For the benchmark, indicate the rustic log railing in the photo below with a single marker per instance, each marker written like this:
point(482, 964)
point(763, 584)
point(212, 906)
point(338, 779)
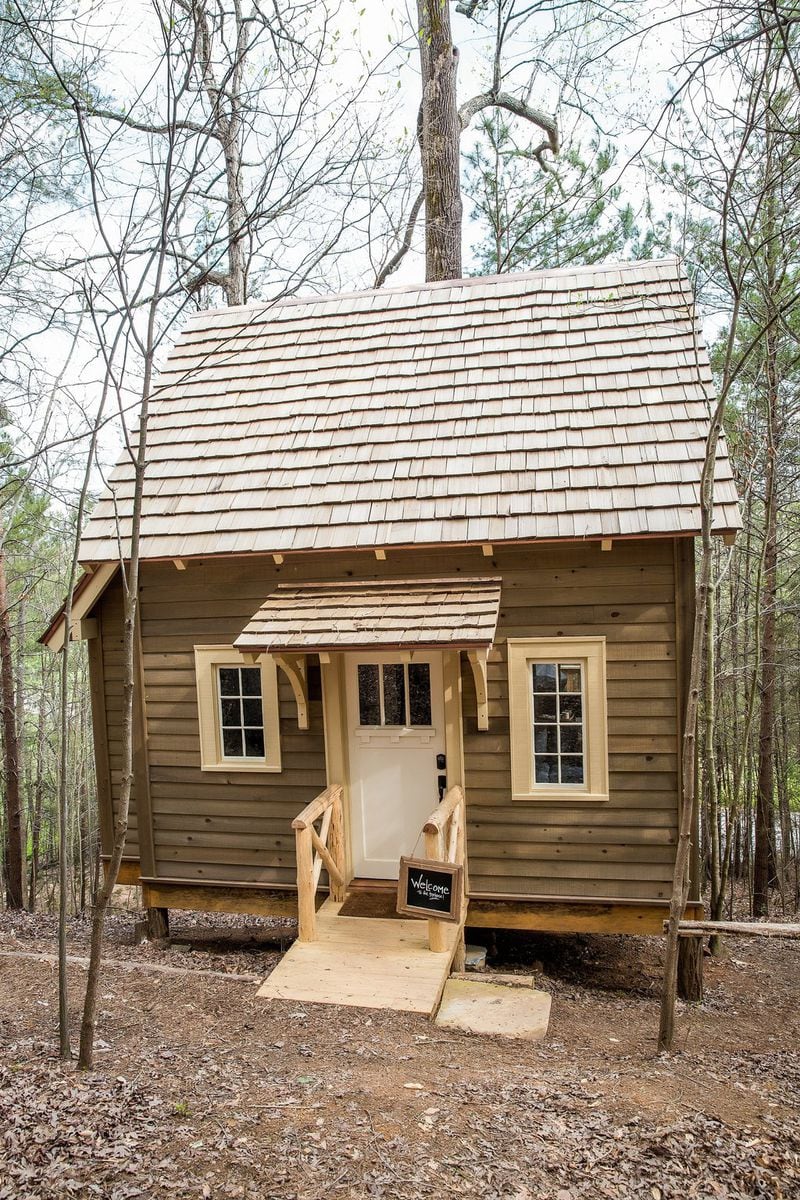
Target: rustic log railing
point(317, 849)
point(445, 842)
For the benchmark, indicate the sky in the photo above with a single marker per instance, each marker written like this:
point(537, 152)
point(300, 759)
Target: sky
point(624, 88)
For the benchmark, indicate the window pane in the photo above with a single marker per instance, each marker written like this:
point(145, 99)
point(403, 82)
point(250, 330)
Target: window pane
point(572, 770)
point(544, 677)
point(251, 711)
point(544, 708)
point(232, 743)
point(569, 678)
point(251, 681)
point(254, 743)
point(394, 694)
point(229, 681)
point(419, 693)
point(231, 714)
point(571, 739)
point(545, 739)
point(369, 700)
point(546, 769)
point(571, 709)
point(558, 723)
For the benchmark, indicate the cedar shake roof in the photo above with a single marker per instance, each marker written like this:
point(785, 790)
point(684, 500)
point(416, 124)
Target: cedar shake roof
point(558, 404)
point(336, 616)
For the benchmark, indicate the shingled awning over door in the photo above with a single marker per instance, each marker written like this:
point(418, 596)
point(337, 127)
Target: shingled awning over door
point(432, 613)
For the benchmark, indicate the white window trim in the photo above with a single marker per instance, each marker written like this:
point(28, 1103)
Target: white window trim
point(590, 652)
point(207, 661)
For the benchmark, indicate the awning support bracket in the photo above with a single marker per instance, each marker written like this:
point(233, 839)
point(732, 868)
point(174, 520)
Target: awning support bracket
point(478, 660)
point(294, 668)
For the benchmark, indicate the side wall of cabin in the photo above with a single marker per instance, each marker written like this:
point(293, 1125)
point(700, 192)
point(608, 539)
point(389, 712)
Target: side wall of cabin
point(234, 828)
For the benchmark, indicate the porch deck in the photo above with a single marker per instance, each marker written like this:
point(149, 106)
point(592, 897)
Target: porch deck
point(364, 962)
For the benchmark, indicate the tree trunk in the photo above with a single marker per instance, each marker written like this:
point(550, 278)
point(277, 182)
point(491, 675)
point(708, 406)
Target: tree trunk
point(764, 857)
point(15, 850)
point(225, 102)
point(37, 802)
point(439, 132)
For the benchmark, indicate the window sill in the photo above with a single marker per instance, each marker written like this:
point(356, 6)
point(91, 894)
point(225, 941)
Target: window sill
point(243, 766)
point(558, 796)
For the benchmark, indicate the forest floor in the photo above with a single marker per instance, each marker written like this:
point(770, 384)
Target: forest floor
point(203, 1091)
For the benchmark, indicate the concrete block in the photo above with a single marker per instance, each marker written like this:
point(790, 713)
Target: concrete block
point(492, 1008)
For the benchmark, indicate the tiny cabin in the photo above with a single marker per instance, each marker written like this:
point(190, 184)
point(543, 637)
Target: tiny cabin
point(406, 552)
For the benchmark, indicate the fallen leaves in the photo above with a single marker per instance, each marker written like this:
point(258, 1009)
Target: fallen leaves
point(200, 1095)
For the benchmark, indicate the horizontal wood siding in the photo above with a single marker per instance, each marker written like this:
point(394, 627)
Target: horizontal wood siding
point(207, 825)
point(623, 848)
point(236, 826)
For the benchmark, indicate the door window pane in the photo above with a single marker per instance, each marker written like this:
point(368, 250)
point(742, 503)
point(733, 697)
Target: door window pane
point(369, 697)
point(394, 694)
point(419, 693)
point(558, 746)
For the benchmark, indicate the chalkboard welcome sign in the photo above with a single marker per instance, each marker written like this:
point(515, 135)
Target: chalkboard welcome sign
point(427, 888)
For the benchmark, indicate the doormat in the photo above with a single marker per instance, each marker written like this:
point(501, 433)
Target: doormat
point(381, 905)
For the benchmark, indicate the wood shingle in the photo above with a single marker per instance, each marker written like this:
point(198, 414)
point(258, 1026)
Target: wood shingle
point(561, 404)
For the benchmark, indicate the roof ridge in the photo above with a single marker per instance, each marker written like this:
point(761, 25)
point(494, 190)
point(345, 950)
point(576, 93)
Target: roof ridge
point(464, 282)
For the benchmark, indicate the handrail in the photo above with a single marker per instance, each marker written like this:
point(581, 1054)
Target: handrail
point(445, 842)
point(317, 849)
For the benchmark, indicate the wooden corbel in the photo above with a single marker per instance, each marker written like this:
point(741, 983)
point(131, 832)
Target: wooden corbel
point(477, 660)
point(294, 668)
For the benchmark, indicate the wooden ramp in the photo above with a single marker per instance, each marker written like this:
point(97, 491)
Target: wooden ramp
point(364, 963)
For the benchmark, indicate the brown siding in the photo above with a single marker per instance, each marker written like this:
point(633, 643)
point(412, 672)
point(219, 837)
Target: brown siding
point(232, 826)
point(622, 849)
point(237, 827)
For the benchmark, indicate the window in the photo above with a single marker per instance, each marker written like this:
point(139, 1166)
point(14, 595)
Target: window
point(238, 710)
point(394, 693)
point(557, 709)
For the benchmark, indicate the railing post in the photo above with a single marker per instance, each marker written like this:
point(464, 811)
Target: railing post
point(437, 935)
point(306, 911)
point(336, 846)
point(460, 956)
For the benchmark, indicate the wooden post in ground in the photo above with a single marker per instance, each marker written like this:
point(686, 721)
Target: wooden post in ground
point(306, 911)
point(157, 921)
point(690, 968)
point(460, 955)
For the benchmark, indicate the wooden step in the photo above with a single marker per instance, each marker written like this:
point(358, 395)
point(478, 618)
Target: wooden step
point(364, 963)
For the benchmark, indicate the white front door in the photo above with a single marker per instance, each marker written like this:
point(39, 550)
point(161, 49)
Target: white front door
point(395, 714)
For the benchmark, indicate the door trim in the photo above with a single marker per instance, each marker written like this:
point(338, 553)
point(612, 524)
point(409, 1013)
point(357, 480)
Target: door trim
point(336, 735)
